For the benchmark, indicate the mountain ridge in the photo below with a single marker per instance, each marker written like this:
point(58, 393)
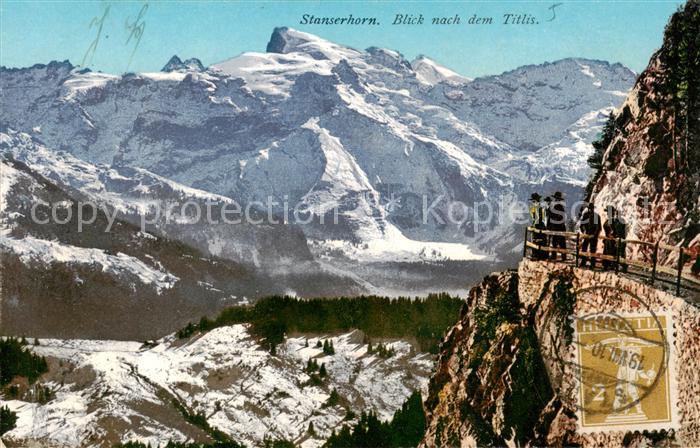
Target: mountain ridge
point(332, 128)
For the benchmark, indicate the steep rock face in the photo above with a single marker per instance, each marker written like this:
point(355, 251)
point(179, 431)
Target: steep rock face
point(500, 379)
point(651, 165)
point(490, 385)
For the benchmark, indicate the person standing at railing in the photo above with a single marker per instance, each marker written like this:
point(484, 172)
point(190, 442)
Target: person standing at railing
point(537, 221)
point(545, 221)
point(620, 231)
point(610, 244)
point(590, 227)
point(556, 222)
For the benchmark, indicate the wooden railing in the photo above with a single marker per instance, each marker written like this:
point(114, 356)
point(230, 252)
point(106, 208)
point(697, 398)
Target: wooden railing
point(618, 259)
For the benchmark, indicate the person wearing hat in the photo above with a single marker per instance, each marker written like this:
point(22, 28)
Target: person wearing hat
point(537, 221)
point(556, 222)
point(545, 211)
point(590, 227)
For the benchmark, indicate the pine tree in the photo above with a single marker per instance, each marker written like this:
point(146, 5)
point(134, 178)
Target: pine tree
point(333, 399)
point(322, 371)
point(408, 424)
point(601, 144)
point(205, 324)
point(328, 348)
point(406, 428)
point(16, 360)
point(311, 366)
point(8, 419)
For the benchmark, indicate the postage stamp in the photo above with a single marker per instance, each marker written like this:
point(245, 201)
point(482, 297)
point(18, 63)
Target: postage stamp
point(624, 365)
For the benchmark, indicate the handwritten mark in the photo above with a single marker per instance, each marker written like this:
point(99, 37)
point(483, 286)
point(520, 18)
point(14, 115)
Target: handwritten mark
point(553, 8)
point(97, 22)
point(136, 29)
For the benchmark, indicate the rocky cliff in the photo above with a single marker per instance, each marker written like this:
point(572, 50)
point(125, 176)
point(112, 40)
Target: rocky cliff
point(650, 167)
point(505, 375)
point(508, 372)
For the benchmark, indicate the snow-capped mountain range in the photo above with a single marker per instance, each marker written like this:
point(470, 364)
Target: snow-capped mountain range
point(387, 143)
point(362, 134)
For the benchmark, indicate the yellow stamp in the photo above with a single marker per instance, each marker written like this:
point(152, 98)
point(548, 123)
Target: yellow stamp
point(625, 371)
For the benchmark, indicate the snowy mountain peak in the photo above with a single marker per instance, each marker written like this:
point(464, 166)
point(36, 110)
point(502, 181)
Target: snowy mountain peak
point(176, 64)
point(288, 40)
point(284, 39)
point(389, 58)
point(430, 72)
point(591, 68)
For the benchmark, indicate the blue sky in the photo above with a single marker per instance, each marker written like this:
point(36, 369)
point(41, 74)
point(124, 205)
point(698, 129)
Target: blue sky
point(40, 31)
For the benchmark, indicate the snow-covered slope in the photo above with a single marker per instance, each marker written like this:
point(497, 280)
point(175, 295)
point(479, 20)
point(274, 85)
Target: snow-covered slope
point(431, 73)
point(327, 127)
point(108, 391)
point(565, 159)
point(533, 106)
point(62, 276)
point(157, 203)
point(35, 250)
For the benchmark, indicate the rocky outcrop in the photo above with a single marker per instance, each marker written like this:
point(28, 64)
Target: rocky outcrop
point(176, 64)
point(490, 386)
point(478, 395)
point(505, 375)
point(501, 378)
point(651, 161)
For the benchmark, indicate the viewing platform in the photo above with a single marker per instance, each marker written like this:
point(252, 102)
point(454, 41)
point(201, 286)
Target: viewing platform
point(645, 261)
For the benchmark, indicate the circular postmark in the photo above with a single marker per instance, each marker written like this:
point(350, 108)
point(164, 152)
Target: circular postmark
point(618, 360)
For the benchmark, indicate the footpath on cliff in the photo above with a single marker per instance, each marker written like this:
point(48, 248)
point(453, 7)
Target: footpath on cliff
point(553, 354)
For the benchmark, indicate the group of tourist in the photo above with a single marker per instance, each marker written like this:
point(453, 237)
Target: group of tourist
point(550, 215)
point(615, 233)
